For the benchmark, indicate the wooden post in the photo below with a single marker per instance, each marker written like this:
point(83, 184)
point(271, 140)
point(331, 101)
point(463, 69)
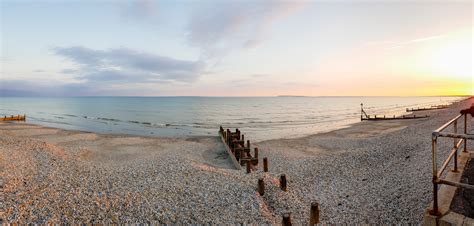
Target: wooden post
point(237, 154)
point(261, 186)
point(265, 164)
point(248, 143)
point(465, 132)
point(314, 214)
point(454, 146)
point(243, 138)
point(283, 183)
point(248, 166)
point(286, 219)
point(256, 153)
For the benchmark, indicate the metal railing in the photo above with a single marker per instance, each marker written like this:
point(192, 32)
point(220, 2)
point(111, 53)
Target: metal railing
point(459, 139)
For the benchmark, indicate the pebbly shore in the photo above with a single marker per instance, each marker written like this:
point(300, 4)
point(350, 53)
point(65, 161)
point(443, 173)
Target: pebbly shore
point(371, 172)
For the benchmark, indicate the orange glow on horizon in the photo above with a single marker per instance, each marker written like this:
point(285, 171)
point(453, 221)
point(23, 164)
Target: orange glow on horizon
point(430, 66)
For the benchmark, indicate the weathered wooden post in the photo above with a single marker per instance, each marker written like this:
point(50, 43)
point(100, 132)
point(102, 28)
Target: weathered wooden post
point(243, 138)
point(256, 153)
point(283, 183)
point(465, 132)
point(238, 154)
point(314, 214)
point(454, 146)
point(248, 143)
point(286, 219)
point(248, 166)
point(265, 164)
point(261, 186)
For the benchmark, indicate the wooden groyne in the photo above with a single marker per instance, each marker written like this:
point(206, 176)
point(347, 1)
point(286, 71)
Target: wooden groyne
point(14, 118)
point(433, 107)
point(366, 117)
point(238, 150)
point(234, 143)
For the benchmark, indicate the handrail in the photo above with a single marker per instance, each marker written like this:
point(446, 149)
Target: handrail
point(446, 162)
point(456, 184)
point(455, 135)
point(447, 124)
point(437, 174)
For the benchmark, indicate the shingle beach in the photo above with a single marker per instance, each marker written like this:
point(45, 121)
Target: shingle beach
point(371, 172)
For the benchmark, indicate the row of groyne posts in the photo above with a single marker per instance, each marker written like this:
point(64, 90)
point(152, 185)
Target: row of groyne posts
point(364, 116)
point(13, 118)
point(240, 153)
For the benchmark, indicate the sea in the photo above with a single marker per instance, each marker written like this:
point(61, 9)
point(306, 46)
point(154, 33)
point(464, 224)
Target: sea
point(260, 118)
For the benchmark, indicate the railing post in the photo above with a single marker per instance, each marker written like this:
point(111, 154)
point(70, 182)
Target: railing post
point(455, 124)
point(435, 210)
point(465, 132)
point(456, 148)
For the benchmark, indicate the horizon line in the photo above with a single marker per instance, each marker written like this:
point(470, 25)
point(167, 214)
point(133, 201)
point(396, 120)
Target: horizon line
point(51, 96)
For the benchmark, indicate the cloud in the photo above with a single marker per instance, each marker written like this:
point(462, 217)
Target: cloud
point(139, 9)
point(45, 88)
point(126, 65)
point(221, 25)
point(115, 71)
point(414, 41)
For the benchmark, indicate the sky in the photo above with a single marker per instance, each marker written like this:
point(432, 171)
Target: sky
point(236, 48)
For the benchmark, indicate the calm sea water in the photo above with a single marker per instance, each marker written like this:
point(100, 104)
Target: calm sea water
point(260, 118)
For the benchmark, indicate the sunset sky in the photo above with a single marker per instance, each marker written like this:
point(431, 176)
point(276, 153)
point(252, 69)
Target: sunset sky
point(236, 48)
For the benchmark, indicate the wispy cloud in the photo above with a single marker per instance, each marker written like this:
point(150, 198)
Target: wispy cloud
point(139, 9)
point(221, 26)
point(413, 41)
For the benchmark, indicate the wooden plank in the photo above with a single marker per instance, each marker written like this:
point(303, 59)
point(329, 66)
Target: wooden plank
point(229, 152)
